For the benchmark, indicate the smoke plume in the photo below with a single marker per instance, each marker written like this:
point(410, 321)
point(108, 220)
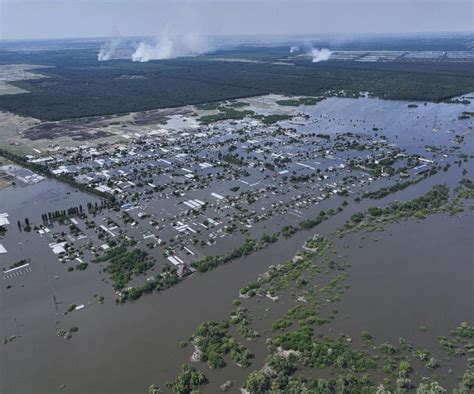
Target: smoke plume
point(320, 55)
point(294, 49)
point(171, 46)
point(108, 50)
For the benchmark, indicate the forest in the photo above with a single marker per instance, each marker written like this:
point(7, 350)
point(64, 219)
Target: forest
point(80, 86)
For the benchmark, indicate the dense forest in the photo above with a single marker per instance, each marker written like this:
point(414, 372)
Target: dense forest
point(80, 86)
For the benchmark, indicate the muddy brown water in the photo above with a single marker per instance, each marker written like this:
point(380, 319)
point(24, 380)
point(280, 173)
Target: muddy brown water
point(422, 274)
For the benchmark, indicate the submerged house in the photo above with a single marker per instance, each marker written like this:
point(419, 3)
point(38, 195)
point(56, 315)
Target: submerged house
point(184, 270)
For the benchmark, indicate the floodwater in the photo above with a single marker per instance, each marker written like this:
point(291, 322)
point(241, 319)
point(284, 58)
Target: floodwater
point(418, 273)
point(415, 276)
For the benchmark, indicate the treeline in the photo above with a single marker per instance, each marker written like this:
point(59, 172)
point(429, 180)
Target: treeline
point(225, 113)
point(62, 215)
point(431, 202)
point(295, 102)
point(271, 119)
point(165, 281)
point(250, 245)
point(199, 80)
point(385, 191)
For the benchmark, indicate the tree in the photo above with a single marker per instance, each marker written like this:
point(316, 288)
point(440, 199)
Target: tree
point(188, 380)
point(154, 389)
point(405, 366)
point(357, 217)
point(215, 361)
point(257, 382)
point(466, 385)
point(430, 388)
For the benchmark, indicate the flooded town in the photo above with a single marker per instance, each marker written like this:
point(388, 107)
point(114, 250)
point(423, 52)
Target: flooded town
point(165, 198)
point(243, 197)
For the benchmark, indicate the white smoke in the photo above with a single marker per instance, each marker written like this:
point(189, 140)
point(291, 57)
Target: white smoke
point(171, 46)
point(108, 50)
point(320, 55)
point(294, 49)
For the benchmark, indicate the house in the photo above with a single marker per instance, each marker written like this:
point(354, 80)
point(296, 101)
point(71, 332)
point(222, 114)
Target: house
point(184, 270)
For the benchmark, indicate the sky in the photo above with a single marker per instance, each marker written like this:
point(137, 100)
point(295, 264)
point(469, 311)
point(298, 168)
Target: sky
point(38, 19)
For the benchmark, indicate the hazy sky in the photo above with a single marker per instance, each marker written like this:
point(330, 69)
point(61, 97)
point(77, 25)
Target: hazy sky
point(105, 18)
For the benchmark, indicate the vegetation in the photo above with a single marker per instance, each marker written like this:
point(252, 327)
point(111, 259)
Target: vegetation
point(67, 334)
point(431, 202)
point(296, 102)
point(270, 119)
point(225, 113)
point(124, 263)
point(210, 262)
point(166, 280)
point(214, 341)
point(233, 159)
point(385, 191)
point(250, 245)
point(465, 188)
point(77, 74)
point(187, 382)
point(324, 352)
point(322, 216)
point(313, 277)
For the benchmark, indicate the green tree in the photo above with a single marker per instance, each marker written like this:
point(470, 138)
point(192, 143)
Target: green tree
point(257, 382)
